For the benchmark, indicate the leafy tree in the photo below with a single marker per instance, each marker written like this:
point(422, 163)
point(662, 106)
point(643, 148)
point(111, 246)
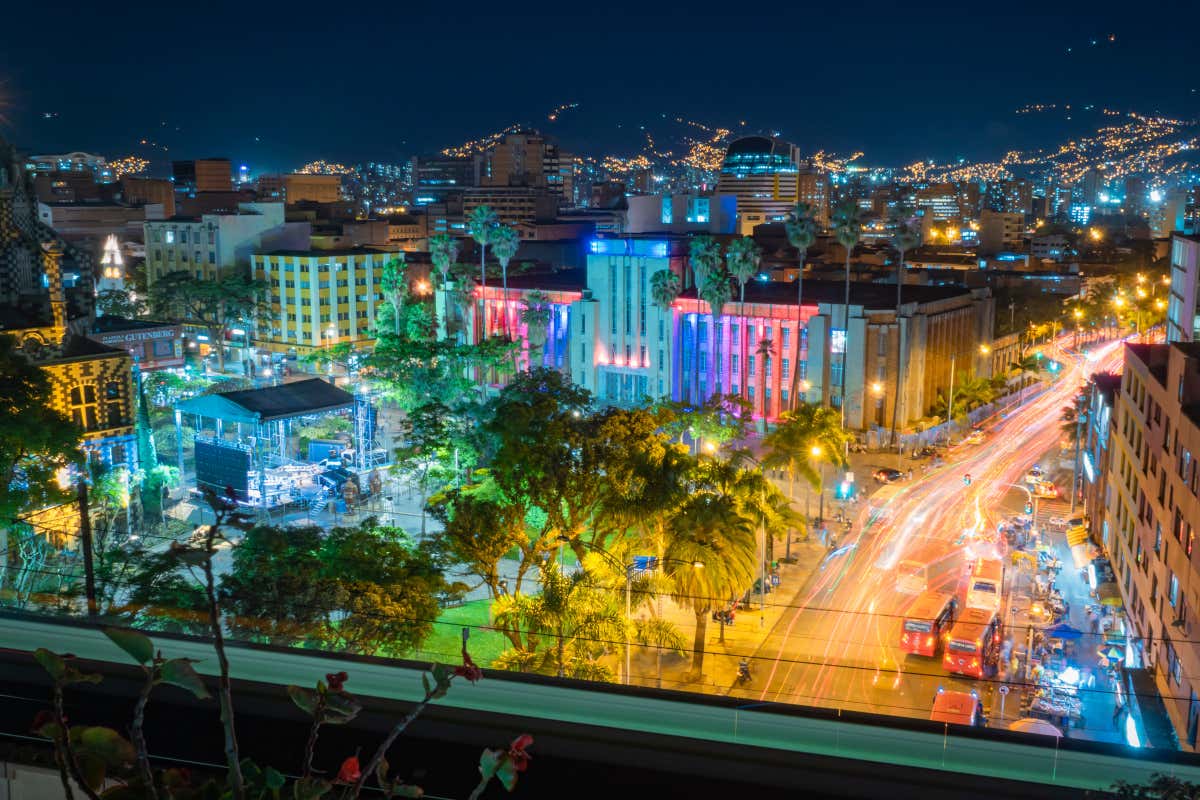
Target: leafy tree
point(427, 451)
point(801, 228)
point(395, 286)
point(905, 236)
point(535, 316)
point(480, 528)
point(1028, 366)
point(565, 630)
point(719, 420)
point(339, 354)
point(716, 293)
point(847, 226)
point(664, 290)
point(1160, 787)
point(704, 255)
point(35, 440)
point(1073, 419)
point(743, 256)
point(121, 303)
point(711, 558)
point(217, 305)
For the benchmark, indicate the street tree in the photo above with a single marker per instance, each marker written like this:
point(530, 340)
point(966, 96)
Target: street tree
point(742, 257)
point(704, 256)
point(801, 229)
point(480, 527)
point(230, 300)
point(847, 224)
point(121, 303)
point(505, 241)
point(664, 291)
point(482, 223)
point(905, 236)
point(443, 252)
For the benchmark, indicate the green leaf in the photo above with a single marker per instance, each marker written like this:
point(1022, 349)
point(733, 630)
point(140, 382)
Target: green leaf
point(92, 768)
point(53, 663)
point(305, 699)
point(137, 645)
point(179, 672)
point(507, 773)
point(106, 744)
point(273, 779)
point(310, 788)
point(489, 762)
point(73, 675)
point(340, 708)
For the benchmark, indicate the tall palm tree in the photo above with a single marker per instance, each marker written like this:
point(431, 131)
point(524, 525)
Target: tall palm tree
point(704, 254)
point(801, 227)
point(443, 251)
point(905, 237)
point(664, 291)
point(716, 293)
point(742, 257)
point(847, 229)
point(765, 351)
point(481, 224)
point(711, 557)
point(505, 240)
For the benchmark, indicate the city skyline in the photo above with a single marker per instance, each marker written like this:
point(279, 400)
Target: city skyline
point(899, 85)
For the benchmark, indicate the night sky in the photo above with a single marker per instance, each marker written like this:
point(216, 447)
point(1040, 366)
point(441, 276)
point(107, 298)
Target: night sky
point(274, 85)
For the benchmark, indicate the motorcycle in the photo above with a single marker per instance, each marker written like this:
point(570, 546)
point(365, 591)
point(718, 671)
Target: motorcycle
point(743, 675)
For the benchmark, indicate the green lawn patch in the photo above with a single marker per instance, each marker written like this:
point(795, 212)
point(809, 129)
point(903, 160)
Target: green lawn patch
point(445, 642)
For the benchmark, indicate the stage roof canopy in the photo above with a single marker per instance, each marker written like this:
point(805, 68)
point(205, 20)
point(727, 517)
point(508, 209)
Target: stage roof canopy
point(297, 399)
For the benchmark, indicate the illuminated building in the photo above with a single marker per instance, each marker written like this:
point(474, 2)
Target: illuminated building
point(299, 187)
point(72, 162)
point(681, 213)
point(319, 297)
point(1149, 521)
point(765, 177)
point(202, 175)
point(152, 345)
point(529, 159)
point(149, 191)
point(207, 244)
point(940, 202)
point(435, 178)
point(1089, 188)
point(1080, 213)
point(513, 204)
point(1000, 231)
point(1183, 304)
point(1010, 196)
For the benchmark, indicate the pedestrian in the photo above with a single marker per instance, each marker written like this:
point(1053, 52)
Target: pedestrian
point(1015, 666)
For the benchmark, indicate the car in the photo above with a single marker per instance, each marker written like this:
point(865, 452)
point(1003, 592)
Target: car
point(1045, 489)
point(1035, 475)
point(886, 475)
point(975, 437)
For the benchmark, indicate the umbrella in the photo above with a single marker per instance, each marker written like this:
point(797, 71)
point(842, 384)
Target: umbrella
point(1062, 631)
point(1112, 652)
point(1031, 725)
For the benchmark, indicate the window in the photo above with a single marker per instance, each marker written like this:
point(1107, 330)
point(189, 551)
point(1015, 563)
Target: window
point(170, 237)
point(668, 215)
point(83, 405)
point(787, 335)
point(750, 366)
point(660, 329)
point(733, 334)
point(698, 210)
point(733, 362)
point(642, 356)
point(787, 367)
point(837, 341)
point(1173, 590)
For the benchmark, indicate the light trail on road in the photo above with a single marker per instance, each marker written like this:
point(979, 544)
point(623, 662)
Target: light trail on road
point(804, 657)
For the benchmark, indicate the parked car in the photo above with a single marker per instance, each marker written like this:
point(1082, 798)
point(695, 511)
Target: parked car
point(886, 475)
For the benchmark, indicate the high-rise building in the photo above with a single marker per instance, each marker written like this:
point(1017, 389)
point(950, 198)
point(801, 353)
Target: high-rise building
point(940, 202)
point(765, 176)
point(436, 178)
point(1150, 517)
point(1000, 231)
point(299, 188)
point(531, 160)
point(1011, 196)
point(681, 213)
point(203, 175)
point(1183, 304)
point(139, 191)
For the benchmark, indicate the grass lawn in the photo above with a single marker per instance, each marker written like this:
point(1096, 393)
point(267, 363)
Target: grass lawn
point(445, 642)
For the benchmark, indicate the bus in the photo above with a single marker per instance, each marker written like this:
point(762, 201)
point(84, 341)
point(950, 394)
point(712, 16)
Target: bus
point(959, 708)
point(973, 643)
point(985, 584)
point(927, 621)
point(928, 565)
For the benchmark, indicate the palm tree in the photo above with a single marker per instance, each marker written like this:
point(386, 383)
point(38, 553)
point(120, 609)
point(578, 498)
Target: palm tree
point(664, 291)
point(711, 558)
point(716, 293)
point(847, 228)
point(1028, 366)
point(505, 240)
point(764, 352)
point(481, 224)
point(801, 227)
point(742, 257)
point(443, 251)
point(904, 237)
point(704, 254)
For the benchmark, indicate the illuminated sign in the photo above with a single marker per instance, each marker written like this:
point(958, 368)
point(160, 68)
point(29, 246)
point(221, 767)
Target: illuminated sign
point(837, 341)
point(654, 248)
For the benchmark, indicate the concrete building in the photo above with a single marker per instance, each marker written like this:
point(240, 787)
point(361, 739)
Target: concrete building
point(89, 163)
point(299, 188)
point(681, 213)
point(319, 297)
point(202, 175)
point(138, 191)
point(1150, 517)
point(513, 205)
point(529, 159)
point(1001, 231)
point(1183, 306)
point(151, 345)
point(210, 243)
point(765, 176)
point(96, 221)
point(436, 178)
point(941, 203)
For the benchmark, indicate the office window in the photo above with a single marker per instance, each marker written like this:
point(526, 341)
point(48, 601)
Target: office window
point(1173, 590)
point(786, 337)
point(787, 367)
point(698, 210)
point(667, 210)
point(733, 362)
point(750, 366)
point(733, 334)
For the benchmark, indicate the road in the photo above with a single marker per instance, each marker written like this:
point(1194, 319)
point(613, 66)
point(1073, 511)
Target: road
point(837, 646)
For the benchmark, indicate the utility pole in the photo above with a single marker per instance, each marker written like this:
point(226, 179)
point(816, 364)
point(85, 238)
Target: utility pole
point(950, 405)
point(85, 537)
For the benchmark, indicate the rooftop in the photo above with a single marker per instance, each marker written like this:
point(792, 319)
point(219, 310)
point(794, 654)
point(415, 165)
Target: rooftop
point(335, 252)
point(565, 280)
point(867, 295)
point(296, 399)
point(109, 324)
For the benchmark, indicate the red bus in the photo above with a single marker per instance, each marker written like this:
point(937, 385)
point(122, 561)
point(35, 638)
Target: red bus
point(973, 642)
point(927, 620)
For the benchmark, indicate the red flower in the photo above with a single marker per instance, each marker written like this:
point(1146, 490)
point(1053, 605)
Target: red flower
point(336, 680)
point(469, 669)
point(43, 719)
point(516, 752)
point(350, 771)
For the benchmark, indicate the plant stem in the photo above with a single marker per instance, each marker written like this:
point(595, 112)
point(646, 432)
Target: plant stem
point(139, 737)
point(311, 745)
point(225, 691)
point(68, 752)
point(387, 743)
point(477, 792)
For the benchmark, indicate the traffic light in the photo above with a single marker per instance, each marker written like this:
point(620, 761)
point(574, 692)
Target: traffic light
point(1052, 366)
point(967, 479)
point(843, 490)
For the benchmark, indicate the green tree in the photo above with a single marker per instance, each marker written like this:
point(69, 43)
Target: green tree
point(395, 285)
point(905, 236)
point(704, 255)
point(35, 440)
point(743, 256)
point(427, 452)
point(120, 303)
point(1029, 366)
point(217, 305)
point(480, 527)
point(338, 354)
point(801, 228)
point(535, 316)
point(565, 630)
point(847, 229)
point(802, 439)
point(443, 252)
point(505, 241)
point(711, 558)
point(716, 293)
point(664, 291)
point(482, 223)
